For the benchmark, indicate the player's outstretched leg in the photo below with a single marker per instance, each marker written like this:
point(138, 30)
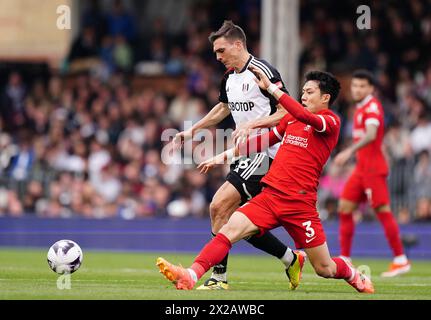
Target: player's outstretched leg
point(238, 227)
point(225, 201)
point(400, 264)
point(346, 232)
point(211, 254)
point(347, 226)
point(178, 275)
point(218, 278)
point(357, 279)
point(338, 268)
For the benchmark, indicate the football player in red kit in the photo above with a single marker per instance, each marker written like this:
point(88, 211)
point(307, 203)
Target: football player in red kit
point(368, 180)
point(308, 134)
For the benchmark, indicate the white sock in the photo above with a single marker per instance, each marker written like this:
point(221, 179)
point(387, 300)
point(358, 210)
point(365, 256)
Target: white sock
point(402, 259)
point(193, 275)
point(219, 276)
point(287, 258)
point(346, 259)
point(353, 273)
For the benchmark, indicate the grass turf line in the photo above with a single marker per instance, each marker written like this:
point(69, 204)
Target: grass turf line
point(25, 274)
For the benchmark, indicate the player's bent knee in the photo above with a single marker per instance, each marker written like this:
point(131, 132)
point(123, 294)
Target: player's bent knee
point(382, 208)
point(215, 206)
point(217, 210)
point(238, 227)
point(346, 207)
point(220, 211)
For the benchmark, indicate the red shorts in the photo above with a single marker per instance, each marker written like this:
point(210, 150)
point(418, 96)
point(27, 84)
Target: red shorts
point(270, 209)
point(361, 187)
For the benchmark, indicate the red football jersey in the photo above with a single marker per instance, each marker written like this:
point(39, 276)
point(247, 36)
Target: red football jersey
point(370, 159)
point(304, 151)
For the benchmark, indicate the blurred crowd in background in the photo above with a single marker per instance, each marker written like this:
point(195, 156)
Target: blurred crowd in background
point(89, 144)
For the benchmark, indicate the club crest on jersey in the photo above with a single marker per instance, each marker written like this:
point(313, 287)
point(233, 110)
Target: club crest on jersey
point(373, 108)
point(307, 127)
point(245, 87)
point(360, 118)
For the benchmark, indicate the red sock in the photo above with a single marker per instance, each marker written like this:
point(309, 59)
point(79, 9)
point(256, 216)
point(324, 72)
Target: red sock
point(347, 229)
point(392, 232)
point(343, 269)
point(211, 254)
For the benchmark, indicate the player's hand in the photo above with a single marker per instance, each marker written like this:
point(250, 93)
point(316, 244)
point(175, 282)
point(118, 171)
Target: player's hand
point(343, 157)
point(180, 138)
point(261, 79)
point(207, 165)
point(242, 132)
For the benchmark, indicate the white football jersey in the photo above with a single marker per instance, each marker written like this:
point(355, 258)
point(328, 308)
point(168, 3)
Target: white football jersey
point(246, 100)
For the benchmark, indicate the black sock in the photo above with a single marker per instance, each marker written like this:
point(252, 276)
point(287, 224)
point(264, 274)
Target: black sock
point(269, 243)
point(221, 267)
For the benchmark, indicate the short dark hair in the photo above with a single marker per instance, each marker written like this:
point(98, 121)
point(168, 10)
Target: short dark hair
point(230, 31)
point(365, 75)
point(328, 84)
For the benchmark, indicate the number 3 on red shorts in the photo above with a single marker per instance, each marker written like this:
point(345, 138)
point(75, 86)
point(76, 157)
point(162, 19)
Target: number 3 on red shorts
point(310, 231)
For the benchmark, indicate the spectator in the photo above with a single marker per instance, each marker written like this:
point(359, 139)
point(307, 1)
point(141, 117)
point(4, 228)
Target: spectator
point(33, 196)
point(397, 142)
point(106, 184)
point(422, 177)
point(107, 54)
point(95, 18)
point(85, 46)
point(420, 136)
point(21, 163)
point(10, 204)
point(120, 22)
point(331, 185)
point(122, 54)
point(7, 151)
point(175, 63)
point(12, 100)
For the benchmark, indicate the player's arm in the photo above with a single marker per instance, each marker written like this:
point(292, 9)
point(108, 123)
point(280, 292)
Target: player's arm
point(216, 115)
point(318, 122)
point(254, 144)
point(270, 121)
point(243, 131)
point(369, 136)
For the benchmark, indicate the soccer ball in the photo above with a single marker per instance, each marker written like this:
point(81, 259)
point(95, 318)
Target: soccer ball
point(65, 256)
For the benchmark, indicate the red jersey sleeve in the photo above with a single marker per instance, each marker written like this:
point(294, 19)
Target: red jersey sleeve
point(281, 127)
point(372, 114)
point(330, 122)
point(300, 113)
point(260, 142)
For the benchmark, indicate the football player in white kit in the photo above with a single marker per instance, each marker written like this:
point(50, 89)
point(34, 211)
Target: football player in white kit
point(251, 108)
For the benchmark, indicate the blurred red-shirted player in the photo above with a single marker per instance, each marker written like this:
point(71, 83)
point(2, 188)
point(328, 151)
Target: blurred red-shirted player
point(368, 180)
point(308, 134)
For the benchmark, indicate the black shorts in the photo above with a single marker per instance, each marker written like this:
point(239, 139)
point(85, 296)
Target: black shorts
point(245, 175)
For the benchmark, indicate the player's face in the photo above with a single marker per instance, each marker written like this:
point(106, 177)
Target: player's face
point(312, 98)
point(360, 88)
point(227, 52)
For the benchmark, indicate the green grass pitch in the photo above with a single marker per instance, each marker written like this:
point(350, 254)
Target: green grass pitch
point(24, 274)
